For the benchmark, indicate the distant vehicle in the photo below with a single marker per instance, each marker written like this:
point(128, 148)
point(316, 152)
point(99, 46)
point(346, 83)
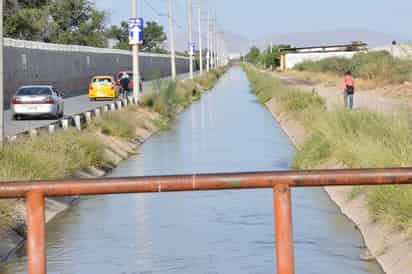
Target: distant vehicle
point(119, 75)
point(38, 100)
point(103, 87)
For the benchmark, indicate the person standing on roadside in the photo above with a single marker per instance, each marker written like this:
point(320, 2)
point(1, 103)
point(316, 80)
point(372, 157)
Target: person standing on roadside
point(348, 88)
point(124, 84)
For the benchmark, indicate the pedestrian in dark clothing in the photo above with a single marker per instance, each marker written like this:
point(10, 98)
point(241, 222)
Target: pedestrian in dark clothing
point(124, 84)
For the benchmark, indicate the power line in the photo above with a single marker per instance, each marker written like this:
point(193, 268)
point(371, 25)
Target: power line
point(152, 7)
point(161, 14)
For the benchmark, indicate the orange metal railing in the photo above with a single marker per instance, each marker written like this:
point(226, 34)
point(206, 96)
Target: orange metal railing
point(280, 181)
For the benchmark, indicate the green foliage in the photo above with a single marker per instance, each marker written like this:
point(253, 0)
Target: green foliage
point(253, 55)
point(293, 100)
point(271, 56)
point(77, 22)
point(167, 97)
point(363, 138)
point(61, 21)
point(380, 66)
point(162, 123)
point(119, 123)
point(268, 58)
point(27, 24)
point(154, 36)
point(121, 34)
point(391, 204)
point(49, 156)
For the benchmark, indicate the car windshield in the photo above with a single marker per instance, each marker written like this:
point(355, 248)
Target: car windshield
point(33, 91)
point(102, 80)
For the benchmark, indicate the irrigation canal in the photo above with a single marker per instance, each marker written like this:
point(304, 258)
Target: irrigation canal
point(203, 232)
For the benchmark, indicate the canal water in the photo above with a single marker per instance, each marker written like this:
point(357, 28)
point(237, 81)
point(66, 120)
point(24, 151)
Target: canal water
point(203, 232)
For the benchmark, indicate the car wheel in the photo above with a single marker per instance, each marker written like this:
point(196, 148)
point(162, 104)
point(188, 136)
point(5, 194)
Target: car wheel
point(61, 114)
point(17, 117)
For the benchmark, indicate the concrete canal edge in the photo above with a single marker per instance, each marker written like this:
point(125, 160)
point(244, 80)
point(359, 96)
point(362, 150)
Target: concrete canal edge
point(117, 149)
point(385, 243)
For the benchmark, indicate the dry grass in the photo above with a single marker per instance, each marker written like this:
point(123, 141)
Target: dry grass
point(331, 80)
point(49, 156)
point(168, 97)
point(353, 139)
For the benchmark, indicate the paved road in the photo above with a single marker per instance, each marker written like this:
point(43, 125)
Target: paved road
point(72, 106)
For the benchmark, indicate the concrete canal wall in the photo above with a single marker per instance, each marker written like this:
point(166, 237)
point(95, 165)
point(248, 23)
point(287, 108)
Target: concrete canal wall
point(69, 68)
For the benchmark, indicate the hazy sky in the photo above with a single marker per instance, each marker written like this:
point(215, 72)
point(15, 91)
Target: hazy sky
point(259, 18)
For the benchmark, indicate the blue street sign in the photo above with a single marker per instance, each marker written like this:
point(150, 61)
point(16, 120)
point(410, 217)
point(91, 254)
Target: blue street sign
point(136, 26)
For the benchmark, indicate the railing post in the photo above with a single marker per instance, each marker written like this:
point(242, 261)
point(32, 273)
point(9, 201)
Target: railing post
point(36, 247)
point(283, 230)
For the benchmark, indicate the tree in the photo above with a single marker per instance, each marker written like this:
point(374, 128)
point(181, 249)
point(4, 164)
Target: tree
point(27, 24)
point(59, 21)
point(25, 19)
point(120, 33)
point(154, 36)
point(253, 55)
point(77, 22)
point(271, 57)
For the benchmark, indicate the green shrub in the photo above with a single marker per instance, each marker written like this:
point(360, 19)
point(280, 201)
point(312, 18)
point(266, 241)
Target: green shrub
point(49, 156)
point(116, 124)
point(167, 97)
point(267, 87)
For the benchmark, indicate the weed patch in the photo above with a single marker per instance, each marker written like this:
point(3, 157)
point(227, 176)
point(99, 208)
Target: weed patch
point(379, 66)
point(353, 139)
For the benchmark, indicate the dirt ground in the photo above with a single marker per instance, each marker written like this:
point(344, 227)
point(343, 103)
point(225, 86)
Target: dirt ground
point(381, 100)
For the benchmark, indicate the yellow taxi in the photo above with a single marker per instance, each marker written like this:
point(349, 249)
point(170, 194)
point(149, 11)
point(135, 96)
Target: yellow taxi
point(103, 87)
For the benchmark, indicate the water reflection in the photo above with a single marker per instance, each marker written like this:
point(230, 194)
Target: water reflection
point(204, 232)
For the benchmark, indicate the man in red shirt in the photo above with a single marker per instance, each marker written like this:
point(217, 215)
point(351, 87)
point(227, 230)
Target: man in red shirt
point(348, 88)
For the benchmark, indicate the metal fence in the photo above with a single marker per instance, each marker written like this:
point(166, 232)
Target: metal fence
point(280, 182)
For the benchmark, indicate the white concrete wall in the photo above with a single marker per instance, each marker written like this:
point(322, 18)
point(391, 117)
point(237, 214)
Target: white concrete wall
point(293, 59)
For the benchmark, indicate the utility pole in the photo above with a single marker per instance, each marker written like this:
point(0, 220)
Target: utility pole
point(212, 45)
point(172, 42)
point(190, 39)
point(208, 44)
point(271, 51)
point(215, 43)
point(1, 76)
point(200, 41)
point(136, 70)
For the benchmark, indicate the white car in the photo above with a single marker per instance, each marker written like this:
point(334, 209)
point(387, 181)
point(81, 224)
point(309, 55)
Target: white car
point(37, 101)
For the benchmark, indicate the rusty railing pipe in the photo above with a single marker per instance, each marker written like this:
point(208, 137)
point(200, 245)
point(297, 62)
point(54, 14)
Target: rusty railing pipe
point(36, 245)
point(283, 229)
point(308, 178)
